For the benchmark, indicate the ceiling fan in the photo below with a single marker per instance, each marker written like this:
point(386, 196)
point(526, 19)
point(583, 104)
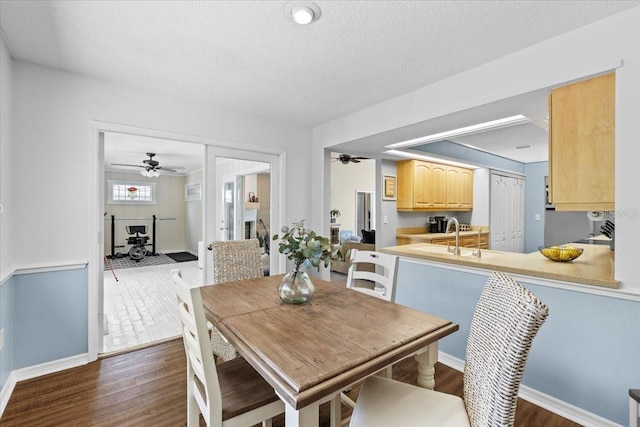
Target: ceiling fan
point(151, 167)
point(346, 158)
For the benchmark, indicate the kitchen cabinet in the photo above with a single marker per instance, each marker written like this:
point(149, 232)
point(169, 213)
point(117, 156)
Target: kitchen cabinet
point(428, 186)
point(582, 145)
point(465, 242)
point(459, 188)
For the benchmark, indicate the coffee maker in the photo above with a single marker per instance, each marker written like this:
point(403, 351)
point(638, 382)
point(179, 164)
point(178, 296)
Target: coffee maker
point(441, 224)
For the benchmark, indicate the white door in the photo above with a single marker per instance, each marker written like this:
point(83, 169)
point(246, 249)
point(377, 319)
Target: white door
point(229, 215)
point(507, 213)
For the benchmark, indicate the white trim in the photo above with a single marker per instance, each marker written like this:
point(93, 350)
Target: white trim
point(542, 400)
point(7, 390)
point(36, 371)
point(551, 283)
point(95, 208)
point(45, 268)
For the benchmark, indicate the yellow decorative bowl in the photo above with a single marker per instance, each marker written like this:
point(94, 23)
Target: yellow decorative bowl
point(560, 253)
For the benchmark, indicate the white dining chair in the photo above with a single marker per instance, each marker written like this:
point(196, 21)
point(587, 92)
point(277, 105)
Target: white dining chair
point(505, 322)
point(373, 273)
point(634, 407)
point(233, 260)
point(227, 394)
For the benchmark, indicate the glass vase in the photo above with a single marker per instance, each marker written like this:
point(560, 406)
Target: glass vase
point(296, 288)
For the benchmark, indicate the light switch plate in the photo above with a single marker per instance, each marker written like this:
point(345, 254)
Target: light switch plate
point(1, 339)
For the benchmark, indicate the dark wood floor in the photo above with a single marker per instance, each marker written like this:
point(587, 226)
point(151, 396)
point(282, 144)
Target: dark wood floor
point(147, 388)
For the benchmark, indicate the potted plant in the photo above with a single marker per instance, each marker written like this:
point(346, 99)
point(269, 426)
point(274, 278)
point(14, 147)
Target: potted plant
point(303, 247)
point(334, 213)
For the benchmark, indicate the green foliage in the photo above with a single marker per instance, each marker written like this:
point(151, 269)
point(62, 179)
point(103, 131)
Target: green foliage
point(307, 248)
point(335, 213)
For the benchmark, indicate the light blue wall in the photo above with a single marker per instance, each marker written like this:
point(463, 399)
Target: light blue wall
point(463, 153)
point(6, 323)
point(586, 354)
point(51, 322)
point(534, 204)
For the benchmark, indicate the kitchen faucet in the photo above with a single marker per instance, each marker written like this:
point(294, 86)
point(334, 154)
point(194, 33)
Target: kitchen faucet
point(456, 250)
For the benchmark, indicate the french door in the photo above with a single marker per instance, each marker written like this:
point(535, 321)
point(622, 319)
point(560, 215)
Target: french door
point(243, 199)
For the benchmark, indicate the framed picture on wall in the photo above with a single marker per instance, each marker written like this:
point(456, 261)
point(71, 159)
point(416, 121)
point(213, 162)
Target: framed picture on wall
point(389, 190)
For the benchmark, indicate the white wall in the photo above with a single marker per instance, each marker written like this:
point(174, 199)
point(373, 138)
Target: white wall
point(345, 181)
point(53, 112)
point(193, 215)
point(577, 54)
point(6, 139)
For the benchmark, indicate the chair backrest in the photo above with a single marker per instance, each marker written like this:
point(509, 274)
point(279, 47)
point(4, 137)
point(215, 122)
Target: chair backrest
point(200, 364)
point(236, 260)
point(380, 281)
point(506, 319)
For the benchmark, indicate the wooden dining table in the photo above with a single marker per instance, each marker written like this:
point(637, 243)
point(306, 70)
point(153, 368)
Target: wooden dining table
point(309, 353)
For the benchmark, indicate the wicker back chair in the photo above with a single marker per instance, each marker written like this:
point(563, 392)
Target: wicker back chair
point(506, 319)
point(233, 260)
point(236, 260)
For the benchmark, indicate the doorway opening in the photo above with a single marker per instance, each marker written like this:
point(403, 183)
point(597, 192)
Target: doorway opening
point(153, 223)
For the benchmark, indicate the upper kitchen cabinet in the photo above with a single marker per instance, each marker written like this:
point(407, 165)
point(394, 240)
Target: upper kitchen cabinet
point(459, 188)
point(582, 145)
point(428, 186)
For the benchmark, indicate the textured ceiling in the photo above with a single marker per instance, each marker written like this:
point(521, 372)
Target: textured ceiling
point(248, 56)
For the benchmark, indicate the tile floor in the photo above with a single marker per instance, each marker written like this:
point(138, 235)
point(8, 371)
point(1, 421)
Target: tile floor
point(141, 307)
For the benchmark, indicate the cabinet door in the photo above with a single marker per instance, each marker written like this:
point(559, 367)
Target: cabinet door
point(459, 188)
point(429, 185)
point(582, 145)
point(507, 213)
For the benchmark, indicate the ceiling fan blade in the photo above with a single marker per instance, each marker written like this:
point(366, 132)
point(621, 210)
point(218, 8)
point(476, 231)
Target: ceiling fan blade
point(360, 158)
point(354, 160)
point(170, 167)
point(123, 164)
point(163, 169)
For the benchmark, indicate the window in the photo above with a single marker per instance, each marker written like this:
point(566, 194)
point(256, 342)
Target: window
point(129, 192)
point(192, 192)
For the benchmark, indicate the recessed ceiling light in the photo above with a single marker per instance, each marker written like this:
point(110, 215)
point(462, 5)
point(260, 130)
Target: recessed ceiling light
point(303, 12)
point(523, 147)
point(467, 130)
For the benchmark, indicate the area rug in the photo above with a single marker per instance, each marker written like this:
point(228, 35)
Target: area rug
point(126, 262)
point(182, 256)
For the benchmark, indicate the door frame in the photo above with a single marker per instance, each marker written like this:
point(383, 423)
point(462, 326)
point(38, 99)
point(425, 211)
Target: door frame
point(95, 231)
point(277, 163)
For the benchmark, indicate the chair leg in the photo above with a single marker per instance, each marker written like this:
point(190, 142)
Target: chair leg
point(266, 423)
point(193, 412)
point(335, 411)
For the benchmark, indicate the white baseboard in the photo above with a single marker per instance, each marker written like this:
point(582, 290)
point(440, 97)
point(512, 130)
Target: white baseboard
point(543, 400)
point(5, 393)
point(36, 371)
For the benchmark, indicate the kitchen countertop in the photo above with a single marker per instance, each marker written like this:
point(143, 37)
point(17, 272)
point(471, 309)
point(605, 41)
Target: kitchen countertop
point(593, 267)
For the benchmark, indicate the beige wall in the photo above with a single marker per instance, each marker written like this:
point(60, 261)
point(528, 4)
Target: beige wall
point(170, 233)
point(193, 215)
point(345, 181)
